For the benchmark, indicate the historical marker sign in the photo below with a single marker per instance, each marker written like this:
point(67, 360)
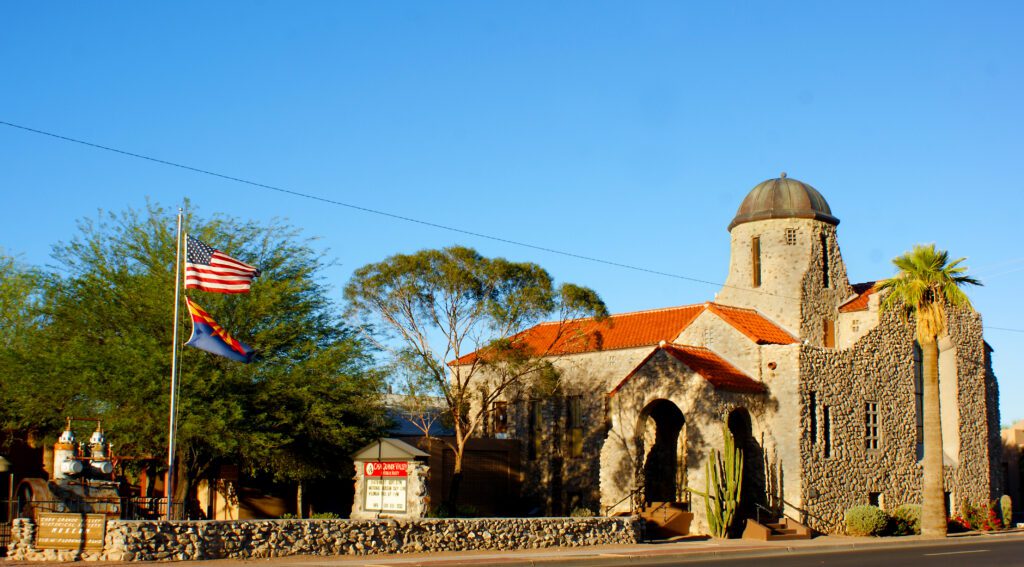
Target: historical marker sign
point(70, 531)
point(387, 486)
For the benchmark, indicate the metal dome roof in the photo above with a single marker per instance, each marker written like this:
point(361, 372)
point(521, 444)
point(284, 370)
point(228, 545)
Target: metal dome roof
point(783, 198)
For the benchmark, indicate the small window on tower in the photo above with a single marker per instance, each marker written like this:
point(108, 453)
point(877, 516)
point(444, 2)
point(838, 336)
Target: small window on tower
point(855, 326)
point(828, 339)
point(755, 261)
point(791, 236)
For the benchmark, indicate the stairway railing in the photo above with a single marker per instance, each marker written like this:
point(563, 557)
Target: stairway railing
point(631, 496)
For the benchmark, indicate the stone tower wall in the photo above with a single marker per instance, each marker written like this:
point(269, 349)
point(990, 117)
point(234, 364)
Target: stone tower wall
point(784, 268)
point(880, 368)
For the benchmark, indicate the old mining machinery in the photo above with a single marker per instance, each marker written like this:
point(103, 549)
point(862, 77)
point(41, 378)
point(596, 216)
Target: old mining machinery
point(82, 479)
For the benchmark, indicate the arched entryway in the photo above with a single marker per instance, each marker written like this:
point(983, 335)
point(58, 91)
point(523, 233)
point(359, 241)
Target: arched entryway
point(661, 451)
point(753, 492)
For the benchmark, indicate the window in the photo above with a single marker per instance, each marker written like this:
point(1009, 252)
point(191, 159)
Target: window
point(812, 403)
point(499, 418)
point(871, 425)
point(824, 261)
point(828, 330)
point(855, 325)
point(826, 432)
point(875, 499)
point(919, 393)
point(574, 425)
point(534, 429)
point(791, 236)
point(755, 266)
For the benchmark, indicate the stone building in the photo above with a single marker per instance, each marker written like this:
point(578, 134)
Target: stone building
point(1013, 466)
point(821, 389)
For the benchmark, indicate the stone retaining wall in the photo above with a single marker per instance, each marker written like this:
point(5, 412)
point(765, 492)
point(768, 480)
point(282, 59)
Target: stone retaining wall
point(243, 539)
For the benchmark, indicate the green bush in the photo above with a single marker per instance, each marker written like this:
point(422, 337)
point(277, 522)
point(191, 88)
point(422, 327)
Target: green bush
point(324, 516)
point(906, 520)
point(581, 512)
point(865, 521)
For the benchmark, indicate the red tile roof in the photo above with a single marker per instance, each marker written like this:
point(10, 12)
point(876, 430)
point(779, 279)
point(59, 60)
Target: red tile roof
point(864, 292)
point(713, 368)
point(753, 325)
point(641, 328)
point(626, 330)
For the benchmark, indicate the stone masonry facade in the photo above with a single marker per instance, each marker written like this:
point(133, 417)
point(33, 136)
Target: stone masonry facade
point(818, 384)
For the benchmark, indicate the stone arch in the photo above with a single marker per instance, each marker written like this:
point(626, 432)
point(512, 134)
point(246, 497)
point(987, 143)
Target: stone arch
point(661, 451)
point(754, 489)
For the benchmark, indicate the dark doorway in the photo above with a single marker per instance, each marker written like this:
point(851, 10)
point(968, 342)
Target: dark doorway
point(661, 465)
point(753, 493)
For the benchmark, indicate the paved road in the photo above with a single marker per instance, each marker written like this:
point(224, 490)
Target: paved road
point(1002, 551)
point(991, 551)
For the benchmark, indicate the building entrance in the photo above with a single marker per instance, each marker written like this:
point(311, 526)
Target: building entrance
point(660, 425)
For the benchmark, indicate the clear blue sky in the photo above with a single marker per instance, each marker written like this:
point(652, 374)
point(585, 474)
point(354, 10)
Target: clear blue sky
point(627, 131)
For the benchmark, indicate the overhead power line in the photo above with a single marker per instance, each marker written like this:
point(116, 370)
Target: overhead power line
point(396, 216)
point(359, 208)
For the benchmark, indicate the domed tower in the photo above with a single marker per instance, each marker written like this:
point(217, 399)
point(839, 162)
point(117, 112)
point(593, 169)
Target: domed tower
point(785, 259)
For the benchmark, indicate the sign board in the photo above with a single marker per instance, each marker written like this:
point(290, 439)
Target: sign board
point(385, 494)
point(377, 468)
point(387, 485)
point(70, 531)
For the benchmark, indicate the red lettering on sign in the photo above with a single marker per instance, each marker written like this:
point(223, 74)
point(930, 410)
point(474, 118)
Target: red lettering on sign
point(374, 468)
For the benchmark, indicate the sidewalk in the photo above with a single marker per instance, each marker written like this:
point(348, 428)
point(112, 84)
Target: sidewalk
point(688, 550)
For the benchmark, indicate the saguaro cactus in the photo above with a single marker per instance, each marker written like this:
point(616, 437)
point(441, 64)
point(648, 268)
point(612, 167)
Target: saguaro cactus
point(723, 484)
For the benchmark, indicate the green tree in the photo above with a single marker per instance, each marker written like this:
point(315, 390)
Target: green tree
point(19, 321)
point(452, 319)
point(309, 400)
point(924, 288)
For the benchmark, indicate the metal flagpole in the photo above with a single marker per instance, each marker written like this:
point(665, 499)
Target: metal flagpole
point(169, 483)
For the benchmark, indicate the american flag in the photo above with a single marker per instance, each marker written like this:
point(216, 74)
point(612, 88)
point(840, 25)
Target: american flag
point(208, 269)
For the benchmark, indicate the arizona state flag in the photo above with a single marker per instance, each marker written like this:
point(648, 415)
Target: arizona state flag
point(209, 336)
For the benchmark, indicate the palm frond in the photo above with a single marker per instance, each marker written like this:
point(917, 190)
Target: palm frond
point(926, 282)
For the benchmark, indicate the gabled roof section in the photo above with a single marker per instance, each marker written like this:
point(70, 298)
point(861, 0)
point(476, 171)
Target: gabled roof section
point(864, 292)
point(389, 448)
point(711, 367)
point(752, 324)
point(626, 330)
point(639, 329)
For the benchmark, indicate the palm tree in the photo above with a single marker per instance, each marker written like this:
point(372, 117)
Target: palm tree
point(925, 286)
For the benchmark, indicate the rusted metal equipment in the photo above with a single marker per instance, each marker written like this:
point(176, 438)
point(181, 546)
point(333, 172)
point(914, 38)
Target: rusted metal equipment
point(83, 480)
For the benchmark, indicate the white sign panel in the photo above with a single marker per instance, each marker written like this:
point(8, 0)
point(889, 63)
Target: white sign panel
point(386, 494)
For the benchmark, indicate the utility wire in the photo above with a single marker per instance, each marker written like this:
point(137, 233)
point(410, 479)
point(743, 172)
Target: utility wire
point(360, 208)
point(397, 216)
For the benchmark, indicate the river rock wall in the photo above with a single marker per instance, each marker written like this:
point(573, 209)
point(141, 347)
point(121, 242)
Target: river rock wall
point(247, 539)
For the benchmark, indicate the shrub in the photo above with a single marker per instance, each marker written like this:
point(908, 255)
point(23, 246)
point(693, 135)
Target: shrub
point(865, 520)
point(972, 516)
point(324, 516)
point(992, 521)
point(906, 520)
point(581, 512)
